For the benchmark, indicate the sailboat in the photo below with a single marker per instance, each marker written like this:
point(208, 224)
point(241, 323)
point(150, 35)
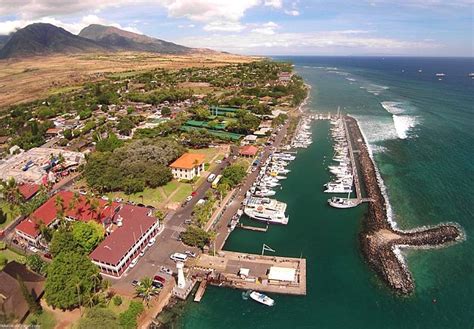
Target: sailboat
point(343, 203)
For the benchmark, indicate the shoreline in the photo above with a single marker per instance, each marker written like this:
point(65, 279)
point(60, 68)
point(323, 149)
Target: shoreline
point(381, 241)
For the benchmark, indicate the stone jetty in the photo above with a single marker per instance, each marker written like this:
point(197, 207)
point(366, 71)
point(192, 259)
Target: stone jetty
point(380, 242)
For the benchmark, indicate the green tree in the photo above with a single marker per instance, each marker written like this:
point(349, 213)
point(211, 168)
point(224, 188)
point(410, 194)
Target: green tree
point(125, 126)
point(146, 290)
point(109, 144)
point(128, 319)
point(70, 280)
point(117, 300)
point(3, 216)
point(36, 264)
point(88, 234)
point(195, 236)
point(233, 175)
point(64, 241)
point(165, 111)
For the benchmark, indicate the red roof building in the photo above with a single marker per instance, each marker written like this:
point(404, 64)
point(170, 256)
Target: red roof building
point(83, 210)
point(128, 228)
point(28, 190)
point(248, 150)
point(133, 227)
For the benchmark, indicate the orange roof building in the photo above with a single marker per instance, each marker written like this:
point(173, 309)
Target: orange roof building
point(188, 166)
point(248, 150)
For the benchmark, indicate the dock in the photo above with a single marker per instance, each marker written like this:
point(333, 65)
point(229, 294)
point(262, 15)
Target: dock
point(355, 172)
point(283, 275)
point(253, 228)
point(201, 290)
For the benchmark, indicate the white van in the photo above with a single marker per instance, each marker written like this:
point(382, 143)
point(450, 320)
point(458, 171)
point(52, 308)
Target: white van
point(178, 257)
point(211, 178)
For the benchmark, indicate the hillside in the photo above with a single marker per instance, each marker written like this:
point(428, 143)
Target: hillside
point(117, 39)
point(45, 39)
point(3, 40)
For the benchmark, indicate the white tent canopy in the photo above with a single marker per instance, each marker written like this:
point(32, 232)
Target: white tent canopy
point(282, 274)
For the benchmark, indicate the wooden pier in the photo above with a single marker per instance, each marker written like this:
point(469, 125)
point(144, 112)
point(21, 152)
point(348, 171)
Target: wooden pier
point(253, 228)
point(201, 290)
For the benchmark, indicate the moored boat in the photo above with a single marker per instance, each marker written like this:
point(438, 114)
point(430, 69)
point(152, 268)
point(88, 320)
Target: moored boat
point(261, 298)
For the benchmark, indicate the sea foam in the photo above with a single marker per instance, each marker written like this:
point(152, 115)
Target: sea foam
point(403, 123)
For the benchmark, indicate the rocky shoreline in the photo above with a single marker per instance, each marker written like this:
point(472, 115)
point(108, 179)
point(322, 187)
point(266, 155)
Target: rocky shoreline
point(380, 242)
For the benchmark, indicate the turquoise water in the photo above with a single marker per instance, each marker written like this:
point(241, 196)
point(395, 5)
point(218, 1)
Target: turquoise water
point(425, 157)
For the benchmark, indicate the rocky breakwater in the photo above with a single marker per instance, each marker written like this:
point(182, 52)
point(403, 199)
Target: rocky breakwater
point(380, 241)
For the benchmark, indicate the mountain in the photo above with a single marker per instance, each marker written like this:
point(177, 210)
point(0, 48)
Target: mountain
point(3, 40)
point(46, 39)
point(117, 39)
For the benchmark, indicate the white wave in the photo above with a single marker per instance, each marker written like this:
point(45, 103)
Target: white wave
point(403, 124)
point(377, 129)
point(393, 107)
point(351, 79)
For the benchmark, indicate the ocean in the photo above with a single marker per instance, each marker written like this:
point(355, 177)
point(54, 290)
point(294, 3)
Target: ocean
point(420, 129)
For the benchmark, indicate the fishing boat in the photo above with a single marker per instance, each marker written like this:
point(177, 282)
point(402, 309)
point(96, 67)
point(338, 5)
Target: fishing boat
point(261, 298)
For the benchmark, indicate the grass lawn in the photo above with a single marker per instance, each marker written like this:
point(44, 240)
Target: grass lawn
point(121, 308)
point(45, 320)
point(210, 153)
point(183, 191)
point(151, 197)
point(11, 255)
point(11, 215)
point(170, 187)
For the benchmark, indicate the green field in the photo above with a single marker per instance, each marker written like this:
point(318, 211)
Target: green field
point(121, 308)
point(183, 191)
point(45, 320)
point(149, 196)
point(11, 255)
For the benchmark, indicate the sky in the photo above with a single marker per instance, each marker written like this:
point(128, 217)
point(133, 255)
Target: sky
point(271, 27)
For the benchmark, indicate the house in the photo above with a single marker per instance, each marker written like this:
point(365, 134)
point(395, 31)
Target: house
point(249, 139)
point(53, 132)
point(248, 151)
point(188, 166)
point(12, 301)
point(128, 228)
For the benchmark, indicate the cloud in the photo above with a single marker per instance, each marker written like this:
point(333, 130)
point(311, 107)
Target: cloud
point(10, 26)
point(293, 12)
point(306, 43)
point(224, 26)
point(274, 3)
point(267, 28)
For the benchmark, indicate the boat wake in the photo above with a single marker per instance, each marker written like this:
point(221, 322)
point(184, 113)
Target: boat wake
point(403, 123)
point(374, 89)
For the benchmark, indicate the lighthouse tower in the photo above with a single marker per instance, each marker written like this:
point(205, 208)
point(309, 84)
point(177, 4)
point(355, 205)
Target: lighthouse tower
point(181, 279)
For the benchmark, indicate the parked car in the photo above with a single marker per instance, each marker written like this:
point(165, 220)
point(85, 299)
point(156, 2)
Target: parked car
point(218, 161)
point(159, 279)
point(142, 253)
point(48, 255)
point(33, 249)
point(189, 198)
point(157, 284)
point(188, 221)
point(190, 253)
point(134, 262)
point(166, 270)
point(178, 257)
point(135, 283)
point(151, 242)
point(211, 178)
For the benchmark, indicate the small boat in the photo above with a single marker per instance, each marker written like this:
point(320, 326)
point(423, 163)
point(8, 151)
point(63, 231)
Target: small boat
point(440, 74)
point(343, 203)
point(261, 298)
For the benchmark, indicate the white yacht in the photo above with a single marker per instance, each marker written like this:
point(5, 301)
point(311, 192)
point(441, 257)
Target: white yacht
point(343, 203)
point(266, 210)
point(339, 188)
point(261, 298)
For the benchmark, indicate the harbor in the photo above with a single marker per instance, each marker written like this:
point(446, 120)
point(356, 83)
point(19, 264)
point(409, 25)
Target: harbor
point(273, 274)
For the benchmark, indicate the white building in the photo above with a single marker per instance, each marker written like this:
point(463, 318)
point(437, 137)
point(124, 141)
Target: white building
point(188, 166)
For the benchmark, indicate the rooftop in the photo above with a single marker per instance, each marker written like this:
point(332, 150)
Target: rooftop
point(82, 210)
point(189, 161)
point(28, 190)
point(249, 150)
point(135, 222)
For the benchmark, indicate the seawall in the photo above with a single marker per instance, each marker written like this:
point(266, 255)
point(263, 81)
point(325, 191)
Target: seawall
point(380, 242)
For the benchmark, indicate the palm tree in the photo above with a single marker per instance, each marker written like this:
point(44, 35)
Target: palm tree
point(74, 201)
point(146, 289)
point(10, 193)
point(60, 208)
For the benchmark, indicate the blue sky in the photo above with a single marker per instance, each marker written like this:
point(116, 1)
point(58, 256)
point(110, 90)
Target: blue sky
point(271, 27)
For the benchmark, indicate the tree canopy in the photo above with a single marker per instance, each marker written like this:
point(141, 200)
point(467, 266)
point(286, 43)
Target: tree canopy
point(98, 317)
point(233, 175)
point(88, 235)
point(195, 236)
point(71, 278)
